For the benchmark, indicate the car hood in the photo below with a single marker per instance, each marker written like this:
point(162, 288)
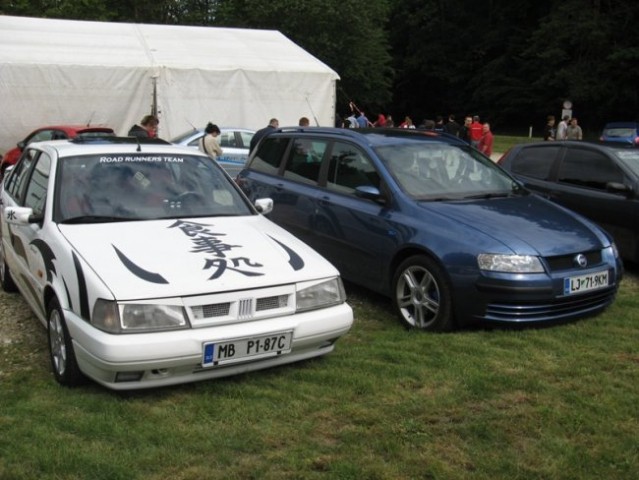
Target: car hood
point(527, 225)
point(159, 258)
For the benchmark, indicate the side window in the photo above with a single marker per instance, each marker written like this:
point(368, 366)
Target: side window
point(16, 182)
point(246, 138)
point(350, 168)
point(535, 162)
point(270, 154)
point(305, 159)
point(38, 184)
point(227, 139)
point(45, 135)
point(588, 168)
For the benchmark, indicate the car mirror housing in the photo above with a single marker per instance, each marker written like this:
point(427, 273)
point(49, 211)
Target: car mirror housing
point(264, 205)
point(21, 216)
point(368, 192)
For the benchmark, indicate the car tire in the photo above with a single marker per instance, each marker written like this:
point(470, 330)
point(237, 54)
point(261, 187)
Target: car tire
point(63, 362)
point(422, 295)
point(8, 285)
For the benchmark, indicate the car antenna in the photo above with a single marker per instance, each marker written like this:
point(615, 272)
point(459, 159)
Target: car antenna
point(90, 119)
point(139, 149)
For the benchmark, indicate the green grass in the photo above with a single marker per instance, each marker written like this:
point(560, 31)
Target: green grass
point(503, 142)
point(548, 403)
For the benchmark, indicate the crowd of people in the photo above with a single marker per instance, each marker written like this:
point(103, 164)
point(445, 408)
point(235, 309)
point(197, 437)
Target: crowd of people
point(567, 129)
point(471, 131)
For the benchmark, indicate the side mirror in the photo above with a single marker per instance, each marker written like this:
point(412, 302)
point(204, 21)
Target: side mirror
point(21, 145)
point(368, 192)
point(264, 205)
point(20, 216)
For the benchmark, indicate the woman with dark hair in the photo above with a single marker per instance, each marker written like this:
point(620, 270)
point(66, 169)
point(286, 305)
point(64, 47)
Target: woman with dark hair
point(208, 143)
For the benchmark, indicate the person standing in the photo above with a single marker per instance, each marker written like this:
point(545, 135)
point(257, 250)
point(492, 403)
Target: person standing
point(476, 132)
point(464, 131)
point(562, 127)
point(550, 131)
point(573, 132)
point(208, 143)
point(486, 141)
point(148, 127)
point(452, 127)
point(272, 125)
point(304, 122)
point(362, 120)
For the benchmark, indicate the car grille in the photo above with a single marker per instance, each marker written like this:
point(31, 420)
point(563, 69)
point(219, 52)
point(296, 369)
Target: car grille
point(233, 307)
point(567, 262)
point(560, 308)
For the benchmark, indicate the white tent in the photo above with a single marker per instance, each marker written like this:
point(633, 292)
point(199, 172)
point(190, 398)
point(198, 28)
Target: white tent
point(77, 72)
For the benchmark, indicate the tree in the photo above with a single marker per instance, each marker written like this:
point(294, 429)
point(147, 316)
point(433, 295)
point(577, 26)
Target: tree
point(350, 39)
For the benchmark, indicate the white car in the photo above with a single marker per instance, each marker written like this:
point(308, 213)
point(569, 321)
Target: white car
point(235, 144)
point(149, 267)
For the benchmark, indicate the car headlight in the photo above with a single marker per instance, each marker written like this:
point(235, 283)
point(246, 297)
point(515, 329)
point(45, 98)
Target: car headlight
point(509, 263)
point(321, 295)
point(137, 317)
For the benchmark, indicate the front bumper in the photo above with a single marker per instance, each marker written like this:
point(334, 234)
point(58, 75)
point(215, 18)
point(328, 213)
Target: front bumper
point(169, 358)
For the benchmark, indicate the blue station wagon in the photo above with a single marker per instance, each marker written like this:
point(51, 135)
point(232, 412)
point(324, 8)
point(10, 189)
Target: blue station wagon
point(430, 222)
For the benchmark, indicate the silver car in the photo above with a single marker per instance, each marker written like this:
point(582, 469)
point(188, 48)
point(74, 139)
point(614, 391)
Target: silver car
point(234, 141)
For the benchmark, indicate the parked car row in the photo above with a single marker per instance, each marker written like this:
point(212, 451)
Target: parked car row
point(149, 266)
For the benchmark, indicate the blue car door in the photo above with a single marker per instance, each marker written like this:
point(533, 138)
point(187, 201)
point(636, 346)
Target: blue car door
point(354, 233)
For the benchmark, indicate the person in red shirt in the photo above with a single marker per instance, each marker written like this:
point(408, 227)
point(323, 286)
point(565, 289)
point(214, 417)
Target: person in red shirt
point(476, 132)
point(486, 141)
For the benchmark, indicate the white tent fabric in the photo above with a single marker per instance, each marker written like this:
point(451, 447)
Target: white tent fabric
point(77, 72)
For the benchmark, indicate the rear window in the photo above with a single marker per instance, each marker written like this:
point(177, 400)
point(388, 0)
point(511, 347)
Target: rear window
point(535, 162)
point(620, 132)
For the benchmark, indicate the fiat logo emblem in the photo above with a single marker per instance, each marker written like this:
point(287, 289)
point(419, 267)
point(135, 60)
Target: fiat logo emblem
point(581, 260)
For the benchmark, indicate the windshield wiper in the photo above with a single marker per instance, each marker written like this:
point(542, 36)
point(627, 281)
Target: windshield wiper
point(97, 219)
point(488, 195)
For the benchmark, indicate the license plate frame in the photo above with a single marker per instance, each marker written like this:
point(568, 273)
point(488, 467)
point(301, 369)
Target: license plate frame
point(246, 349)
point(586, 283)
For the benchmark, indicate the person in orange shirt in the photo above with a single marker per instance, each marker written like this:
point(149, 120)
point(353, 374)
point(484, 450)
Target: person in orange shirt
point(486, 141)
point(476, 132)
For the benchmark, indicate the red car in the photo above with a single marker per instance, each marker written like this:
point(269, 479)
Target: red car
point(57, 132)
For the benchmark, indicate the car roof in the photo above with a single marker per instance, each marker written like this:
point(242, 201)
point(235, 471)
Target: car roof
point(622, 125)
point(114, 145)
point(378, 136)
point(74, 128)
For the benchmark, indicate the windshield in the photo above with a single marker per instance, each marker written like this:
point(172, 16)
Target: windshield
point(439, 171)
point(141, 187)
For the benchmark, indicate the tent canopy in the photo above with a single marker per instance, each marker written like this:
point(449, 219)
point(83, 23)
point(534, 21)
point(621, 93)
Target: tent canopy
point(77, 72)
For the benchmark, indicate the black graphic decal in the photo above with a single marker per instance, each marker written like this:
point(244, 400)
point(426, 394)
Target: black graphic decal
point(206, 241)
point(82, 289)
point(138, 271)
point(294, 259)
point(47, 256)
point(66, 289)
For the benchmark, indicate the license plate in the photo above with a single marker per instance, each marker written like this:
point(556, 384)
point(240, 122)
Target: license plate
point(246, 349)
point(585, 283)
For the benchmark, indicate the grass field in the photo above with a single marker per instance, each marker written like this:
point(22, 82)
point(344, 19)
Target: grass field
point(548, 403)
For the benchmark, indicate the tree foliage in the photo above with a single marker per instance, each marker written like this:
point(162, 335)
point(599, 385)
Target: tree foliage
point(511, 61)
